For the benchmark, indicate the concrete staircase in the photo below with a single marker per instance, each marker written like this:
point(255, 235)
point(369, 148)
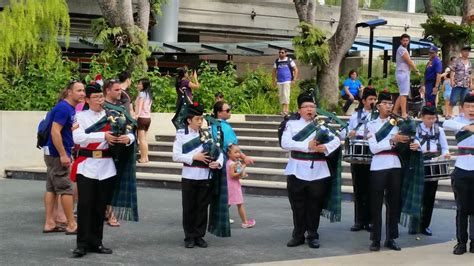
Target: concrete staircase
point(257, 138)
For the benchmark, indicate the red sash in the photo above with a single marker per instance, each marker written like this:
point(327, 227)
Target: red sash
point(80, 159)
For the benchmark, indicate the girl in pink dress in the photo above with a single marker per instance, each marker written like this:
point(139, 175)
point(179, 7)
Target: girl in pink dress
point(235, 171)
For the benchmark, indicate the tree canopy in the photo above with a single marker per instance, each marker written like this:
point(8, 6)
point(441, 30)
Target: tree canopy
point(29, 30)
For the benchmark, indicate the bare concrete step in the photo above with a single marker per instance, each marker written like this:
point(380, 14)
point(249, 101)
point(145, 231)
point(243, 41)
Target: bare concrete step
point(272, 163)
point(276, 152)
point(251, 150)
point(257, 187)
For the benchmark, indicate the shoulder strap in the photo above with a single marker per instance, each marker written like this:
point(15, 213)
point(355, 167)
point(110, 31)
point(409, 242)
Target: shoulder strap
point(305, 132)
point(191, 145)
point(383, 131)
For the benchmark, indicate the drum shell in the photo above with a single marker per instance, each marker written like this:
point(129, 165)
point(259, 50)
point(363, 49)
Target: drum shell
point(437, 169)
point(357, 152)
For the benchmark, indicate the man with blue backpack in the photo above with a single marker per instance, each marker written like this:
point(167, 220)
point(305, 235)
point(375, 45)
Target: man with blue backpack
point(284, 75)
point(57, 157)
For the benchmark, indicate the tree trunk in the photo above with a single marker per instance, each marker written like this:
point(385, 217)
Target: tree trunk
point(340, 43)
point(143, 10)
point(109, 10)
point(119, 13)
point(468, 12)
point(429, 10)
point(306, 10)
point(449, 49)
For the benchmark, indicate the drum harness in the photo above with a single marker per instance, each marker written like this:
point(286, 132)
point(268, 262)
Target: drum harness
point(426, 137)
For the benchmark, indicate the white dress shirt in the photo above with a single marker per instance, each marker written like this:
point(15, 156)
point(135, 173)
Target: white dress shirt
point(382, 161)
point(354, 121)
point(302, 168)
point(94, 168)
point(190, 172)
point(465, 162)
point(433, 142)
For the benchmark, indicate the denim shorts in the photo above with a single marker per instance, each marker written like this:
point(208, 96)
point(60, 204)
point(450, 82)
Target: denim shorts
point(457, 95)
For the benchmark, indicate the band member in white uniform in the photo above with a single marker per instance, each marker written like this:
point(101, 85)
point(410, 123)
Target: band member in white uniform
point(196, 181)
point(386, 174)
point(361, 172)
point(433, 144)
point(308, 173)
point(462, 178)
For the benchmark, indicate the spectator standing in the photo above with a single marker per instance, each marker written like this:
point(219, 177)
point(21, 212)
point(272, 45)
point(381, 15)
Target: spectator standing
point(285, 73)
point(432, 79)
point(57, 157)
point(184, 85)
point(461, 78)
point(402, 74)
point(125, 79)
point(143, 115)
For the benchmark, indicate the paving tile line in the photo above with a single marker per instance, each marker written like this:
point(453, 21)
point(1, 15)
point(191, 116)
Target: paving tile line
point(435, 254)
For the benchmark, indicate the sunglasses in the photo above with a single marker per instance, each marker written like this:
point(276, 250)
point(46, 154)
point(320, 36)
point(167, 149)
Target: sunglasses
point(281, 52)
point(227, 110)
point(72, 81)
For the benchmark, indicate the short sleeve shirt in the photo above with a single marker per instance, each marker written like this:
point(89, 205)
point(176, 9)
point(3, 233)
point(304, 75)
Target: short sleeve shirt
point(435, 68)
point(353, 86)
point(462, 73)
point(401, 64)
point(64, 114)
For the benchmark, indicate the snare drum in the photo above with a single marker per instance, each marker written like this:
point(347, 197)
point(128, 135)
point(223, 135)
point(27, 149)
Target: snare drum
point(357, 151)
point(437, 169)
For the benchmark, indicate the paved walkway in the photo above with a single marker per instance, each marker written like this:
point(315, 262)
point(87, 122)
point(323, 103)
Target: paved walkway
point(158, 238)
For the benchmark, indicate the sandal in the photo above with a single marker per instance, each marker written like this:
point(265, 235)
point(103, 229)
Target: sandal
point(57, 229)
point(112, 222)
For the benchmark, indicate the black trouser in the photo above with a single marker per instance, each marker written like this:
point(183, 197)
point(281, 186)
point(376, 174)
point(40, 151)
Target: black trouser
point(348, 102)
point(360, 182)
point(306, 200)
point(196, 198)
point(462, 182)
point(385, 183)
point(429, 194)
point(93, 195)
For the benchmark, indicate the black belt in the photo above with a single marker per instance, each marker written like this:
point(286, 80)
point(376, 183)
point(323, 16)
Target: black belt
point(94, 153)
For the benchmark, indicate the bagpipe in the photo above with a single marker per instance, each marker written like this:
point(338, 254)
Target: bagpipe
point(119, 124)
point(406, 126)
point(210, 146)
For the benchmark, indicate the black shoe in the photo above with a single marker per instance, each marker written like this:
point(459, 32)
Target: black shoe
point(200, 242)
point(313, 243)
point(101, 250)
point(375, 246)
point(189, 243)
point(79, 252)
point(295, 242)
point(427, 231)
point(391, 244)
point(357, 227)
point(471, 247)
point(460, 249)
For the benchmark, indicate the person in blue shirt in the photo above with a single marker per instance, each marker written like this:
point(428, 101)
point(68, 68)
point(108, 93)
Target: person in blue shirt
point(351, 89)
point(57, 157)
point(432, 79)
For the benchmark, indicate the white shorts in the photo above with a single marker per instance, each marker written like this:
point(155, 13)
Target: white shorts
point(403, 82)
point(284, 92)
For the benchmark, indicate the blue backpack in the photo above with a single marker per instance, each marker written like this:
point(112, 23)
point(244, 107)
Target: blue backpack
point(44, 131)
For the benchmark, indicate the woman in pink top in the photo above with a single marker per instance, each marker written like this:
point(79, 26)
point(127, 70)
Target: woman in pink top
point(142, 114)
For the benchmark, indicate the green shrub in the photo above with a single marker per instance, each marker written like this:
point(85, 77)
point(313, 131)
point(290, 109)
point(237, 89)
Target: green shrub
point(38, 88)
